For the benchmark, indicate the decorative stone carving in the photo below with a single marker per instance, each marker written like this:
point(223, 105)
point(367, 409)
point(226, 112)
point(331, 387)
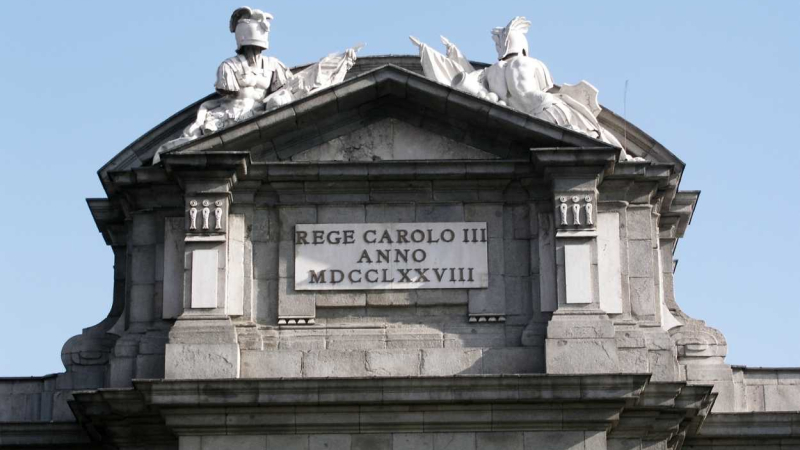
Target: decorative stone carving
point(193, 215)
point(218, 215)
point(250, 84)
point(206, 213)
point(296, 321)
point(588, 207)
point(486, 318)
point(697, 343)
point(521, 82)
point(564, 210)
point(212, 216)
point(575, 211)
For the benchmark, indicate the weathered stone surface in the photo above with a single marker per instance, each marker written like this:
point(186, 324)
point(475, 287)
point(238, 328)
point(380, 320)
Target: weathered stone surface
point(412, 441)
point(782, 397)
point(440, 212)
point(271, 364)
point(329, 442)
point(581, 356)
point(356, 339)
point(640, 259)
point(413, 337)
point(439, 362)
point(394, 363)
point(555, 440)
point(237, 442)
point(391, 213)
point(643, 299)
point(512, 360)
point(518, 296)
point(499, 441)
point(292, 303)
point(286, 259)
point(391, 298)
point(265, 260)
point(289, 216)
point(431, 297)
point(193, 361)
point(371, 442)
point(329, 363)
point(491, 300)
point(638, 222)
point(288, 442)
point(475, 335)
point(454, 441)
point(341, 298)
point(341, 214)
point(491, 213)
point(302, 339)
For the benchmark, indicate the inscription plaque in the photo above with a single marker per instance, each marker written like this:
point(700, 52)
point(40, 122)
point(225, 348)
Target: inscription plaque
point(359, 256)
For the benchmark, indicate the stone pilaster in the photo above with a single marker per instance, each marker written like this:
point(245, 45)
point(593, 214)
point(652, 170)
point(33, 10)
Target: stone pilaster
point(203, 341)
point(580, 336)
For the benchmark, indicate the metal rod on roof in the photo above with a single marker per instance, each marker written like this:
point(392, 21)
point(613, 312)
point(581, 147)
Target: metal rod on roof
point(625, 116)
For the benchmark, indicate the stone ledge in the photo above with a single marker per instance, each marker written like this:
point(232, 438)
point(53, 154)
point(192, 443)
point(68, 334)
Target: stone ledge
point(64, 435)
point(596, 403)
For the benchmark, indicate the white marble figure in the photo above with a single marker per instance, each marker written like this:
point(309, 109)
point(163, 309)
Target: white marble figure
point(193, 219)
point(520, 82)
point(206, 214)
point(576, 214)
point(218, 218)
point(588, 207)
point(564, 208)
point(251, 84)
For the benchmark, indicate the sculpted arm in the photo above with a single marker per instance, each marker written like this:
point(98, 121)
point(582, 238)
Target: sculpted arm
point(527, 84)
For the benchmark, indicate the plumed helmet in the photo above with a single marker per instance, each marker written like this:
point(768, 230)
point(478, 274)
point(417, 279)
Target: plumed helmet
point(251, 27)
point(511, 38)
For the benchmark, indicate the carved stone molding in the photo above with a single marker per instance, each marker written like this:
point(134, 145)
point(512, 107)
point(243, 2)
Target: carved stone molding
point(296, 321)
point(487, 318)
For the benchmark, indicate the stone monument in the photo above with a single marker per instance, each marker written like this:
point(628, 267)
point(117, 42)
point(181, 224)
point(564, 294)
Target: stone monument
point(391, 253)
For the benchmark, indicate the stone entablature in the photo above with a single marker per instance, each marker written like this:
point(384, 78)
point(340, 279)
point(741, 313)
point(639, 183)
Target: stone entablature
point(518, 412)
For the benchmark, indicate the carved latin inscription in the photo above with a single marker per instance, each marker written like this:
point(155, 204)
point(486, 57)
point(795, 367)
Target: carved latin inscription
point(442, 255)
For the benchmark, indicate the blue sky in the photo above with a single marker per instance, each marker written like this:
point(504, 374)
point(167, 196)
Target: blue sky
point(716, 82)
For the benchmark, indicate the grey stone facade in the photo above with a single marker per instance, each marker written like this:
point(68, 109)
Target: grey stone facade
point(578, 341)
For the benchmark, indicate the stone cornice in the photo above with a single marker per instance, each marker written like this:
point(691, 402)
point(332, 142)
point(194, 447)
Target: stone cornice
point(622, 405)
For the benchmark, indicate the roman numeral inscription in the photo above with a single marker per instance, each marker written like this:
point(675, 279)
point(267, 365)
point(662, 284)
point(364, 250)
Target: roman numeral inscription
point(436, 255)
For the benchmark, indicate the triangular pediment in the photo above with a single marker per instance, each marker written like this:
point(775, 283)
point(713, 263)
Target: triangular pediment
point(377, 89)
point(436, 120)
point(391, 139)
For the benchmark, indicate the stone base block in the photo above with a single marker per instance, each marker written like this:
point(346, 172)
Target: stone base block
point(581, 356)
point(271, 364)
point(201, 361)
